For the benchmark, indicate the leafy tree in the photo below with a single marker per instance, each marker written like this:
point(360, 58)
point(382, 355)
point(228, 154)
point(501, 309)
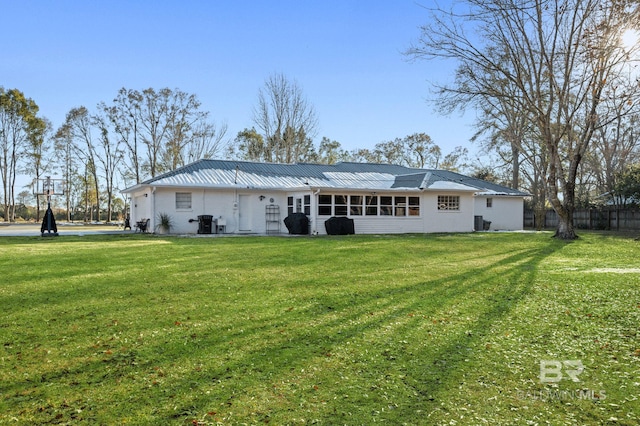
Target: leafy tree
point(416, 150)
point(627, 188)
point(249, 145)
point(420, 151)
point(331, 152)
point(365, 155)
point(36, 154)
point(457, 160)
point(560, 59)
point(486, 173)
point(391, 152)
point(19, 126)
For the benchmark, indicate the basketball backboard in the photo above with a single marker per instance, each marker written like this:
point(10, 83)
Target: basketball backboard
point(49, 186)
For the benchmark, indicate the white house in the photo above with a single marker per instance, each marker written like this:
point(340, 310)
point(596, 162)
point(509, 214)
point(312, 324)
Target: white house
point(254, 198)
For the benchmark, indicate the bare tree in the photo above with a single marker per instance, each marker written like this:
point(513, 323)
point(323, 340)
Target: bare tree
point(286, 120)
point(65, 157)
point(124, 115)
point(79, 124)
point(615, 148)
point(162, 130)
point(561, 57)
point(207, 141)
point(111, 154)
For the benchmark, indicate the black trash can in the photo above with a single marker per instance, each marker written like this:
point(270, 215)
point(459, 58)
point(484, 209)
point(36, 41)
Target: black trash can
point(486, 224)
point(204, 224)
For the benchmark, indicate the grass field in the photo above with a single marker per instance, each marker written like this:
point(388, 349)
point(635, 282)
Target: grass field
point(358, 330)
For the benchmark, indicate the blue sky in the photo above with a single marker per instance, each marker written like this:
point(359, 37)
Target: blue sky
point(346, 55)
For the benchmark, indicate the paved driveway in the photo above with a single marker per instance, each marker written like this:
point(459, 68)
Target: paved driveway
point(31, 230)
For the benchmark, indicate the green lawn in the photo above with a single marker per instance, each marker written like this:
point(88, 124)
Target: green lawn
point(357, 330)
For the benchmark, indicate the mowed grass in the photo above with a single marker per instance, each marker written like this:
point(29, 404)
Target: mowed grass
point(357, 330)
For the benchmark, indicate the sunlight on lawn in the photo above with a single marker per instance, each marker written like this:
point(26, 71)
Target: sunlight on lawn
point(353, 330)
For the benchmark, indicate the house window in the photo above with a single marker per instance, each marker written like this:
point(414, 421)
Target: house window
point(183, 200)
point(372, 205)
point(414, 206)
point(489, 203)
point(386, 206)
point(289, 205)
point(448, 202)
point(355, 205)
point(340, 202)
point(367, 205)
point(400, 206)
point(307, 205)
point(324, 205)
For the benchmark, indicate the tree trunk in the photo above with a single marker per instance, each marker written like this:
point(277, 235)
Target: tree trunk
point(565, 230)
point(539, 215)
point(565, 209)
point(515, 177)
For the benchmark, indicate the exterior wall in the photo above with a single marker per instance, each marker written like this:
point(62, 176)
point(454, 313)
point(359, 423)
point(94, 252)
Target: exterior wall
point(364, 224)
point(445, 220)
point(140, 207)
point(246, 207)
point(506, 213)
point(386, 225)
point(244, 211)
point(430, 219)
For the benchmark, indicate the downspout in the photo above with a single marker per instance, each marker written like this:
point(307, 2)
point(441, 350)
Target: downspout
point(153, 210)
point(314, 210)
point(236, 203)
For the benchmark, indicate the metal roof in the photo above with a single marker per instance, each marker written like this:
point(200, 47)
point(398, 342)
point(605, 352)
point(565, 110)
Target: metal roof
point(244, 174)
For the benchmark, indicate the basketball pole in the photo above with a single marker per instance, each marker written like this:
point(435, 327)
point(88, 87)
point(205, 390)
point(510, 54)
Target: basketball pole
point(49, 219)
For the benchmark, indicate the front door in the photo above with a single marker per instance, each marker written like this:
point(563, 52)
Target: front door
point(244, 213)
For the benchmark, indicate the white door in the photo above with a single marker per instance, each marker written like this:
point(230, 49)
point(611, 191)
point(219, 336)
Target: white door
point(244, 213)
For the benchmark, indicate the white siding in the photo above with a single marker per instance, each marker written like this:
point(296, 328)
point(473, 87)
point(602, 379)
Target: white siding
point(219, 203)
point(430, 219)
point(448, 221)
point(140, 207)
point(505, 213)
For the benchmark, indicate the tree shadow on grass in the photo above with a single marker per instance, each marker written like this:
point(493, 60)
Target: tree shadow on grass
point(254, 368)
point(335, 322)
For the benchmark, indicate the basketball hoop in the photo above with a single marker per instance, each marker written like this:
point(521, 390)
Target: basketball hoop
point(49, 187)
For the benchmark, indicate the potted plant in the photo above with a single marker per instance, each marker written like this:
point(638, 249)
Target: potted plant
point(164, 223)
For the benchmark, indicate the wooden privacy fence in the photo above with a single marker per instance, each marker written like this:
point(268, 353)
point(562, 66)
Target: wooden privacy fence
point(604, 218)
